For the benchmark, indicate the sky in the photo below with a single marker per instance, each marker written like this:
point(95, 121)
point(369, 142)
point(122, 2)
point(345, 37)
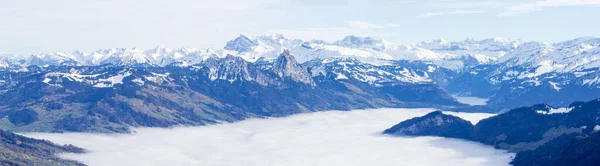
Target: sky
point(38, 26)
point(321, 138)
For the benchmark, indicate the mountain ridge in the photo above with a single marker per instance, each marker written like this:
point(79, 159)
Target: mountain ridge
point(276, 76)
point(269, 46)
point(539, 134)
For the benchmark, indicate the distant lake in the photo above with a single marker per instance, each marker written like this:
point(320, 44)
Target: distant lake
point(321, 138)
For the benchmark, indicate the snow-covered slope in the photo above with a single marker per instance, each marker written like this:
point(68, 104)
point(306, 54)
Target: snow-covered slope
point(535, 72)
point(370, 50)
point(482, 51)
point(351, 68)
point(508, 72)
point(534, 59)
point(512, 59)
point(451, 55)
point(159, 56)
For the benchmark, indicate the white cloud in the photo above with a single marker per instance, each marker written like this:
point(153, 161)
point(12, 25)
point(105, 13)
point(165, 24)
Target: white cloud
point(432, 14)
point(451, 3)
point(362, 25)
point(518, 9)
point(338, 32)
point(366, 25)
point(323, 138)
point(34, 26)
point(472, 100)
point(467, 12)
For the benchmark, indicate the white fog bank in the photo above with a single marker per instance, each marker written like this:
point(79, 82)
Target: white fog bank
point(471, 100)
point(322, 138)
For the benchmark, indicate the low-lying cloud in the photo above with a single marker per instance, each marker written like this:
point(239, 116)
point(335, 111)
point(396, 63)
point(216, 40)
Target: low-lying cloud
point(323, 138)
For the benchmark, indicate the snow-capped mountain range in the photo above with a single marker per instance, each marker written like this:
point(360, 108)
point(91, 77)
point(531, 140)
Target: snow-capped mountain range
point(452, 55)
point(468, 67)
point(455, 55)
point(262, 76)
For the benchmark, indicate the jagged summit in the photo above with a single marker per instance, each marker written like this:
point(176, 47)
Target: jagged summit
point(454, 55)
point(240, 44)
point(286, 66)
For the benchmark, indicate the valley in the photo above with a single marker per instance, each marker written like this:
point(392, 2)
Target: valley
point(539, 134)
point(113, 90)
point(120, 94)
point(300, 82)
point(321, 138)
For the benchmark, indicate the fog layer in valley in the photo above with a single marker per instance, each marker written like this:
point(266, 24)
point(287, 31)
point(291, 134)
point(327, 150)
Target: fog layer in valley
point(322, 138)
point(471, 100)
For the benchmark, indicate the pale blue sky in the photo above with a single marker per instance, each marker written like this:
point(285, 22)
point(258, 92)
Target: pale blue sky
point(35, 26)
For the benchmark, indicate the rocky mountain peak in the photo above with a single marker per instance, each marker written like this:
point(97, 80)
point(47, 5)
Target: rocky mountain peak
point(235, 69)
point(240, 44)
point(286, 66)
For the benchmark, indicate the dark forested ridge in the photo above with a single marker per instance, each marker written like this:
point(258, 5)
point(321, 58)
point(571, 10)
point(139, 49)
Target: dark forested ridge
point(435, 123)
point(564, 150)
point(540, 134)
point(20, 150)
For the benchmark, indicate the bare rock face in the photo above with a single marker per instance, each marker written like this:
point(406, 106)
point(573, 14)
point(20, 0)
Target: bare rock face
point(233, 68)
point(287, 67)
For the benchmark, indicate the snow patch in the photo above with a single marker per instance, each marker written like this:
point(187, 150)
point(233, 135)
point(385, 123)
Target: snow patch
point(112, 81)
point(591, 82)
point(555, 111)
point(47, 80)
point(431, 69)
point(160, 78)
point(512, 73)
point(340, 76)
point(72, 76)
point(138, 81)
point(555, 86)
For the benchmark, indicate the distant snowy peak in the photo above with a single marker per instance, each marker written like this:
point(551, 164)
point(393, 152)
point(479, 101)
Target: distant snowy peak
point(367, 49)
point(241, 44)
point(557, 67)
point(454, 55)
point(351, 68)
point(159, 56)
point(526, 52)
point(578, 41)
point(546, 58)
point(494, 47)
point(363, 42)
point(59, 58)
point(286, 66)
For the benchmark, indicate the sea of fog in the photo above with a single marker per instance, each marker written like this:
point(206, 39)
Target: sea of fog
point(471, 100)
point(321, 138)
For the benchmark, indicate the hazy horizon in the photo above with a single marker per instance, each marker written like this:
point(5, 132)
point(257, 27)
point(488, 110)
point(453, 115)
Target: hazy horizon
point(36, 26)
point(331, 41)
